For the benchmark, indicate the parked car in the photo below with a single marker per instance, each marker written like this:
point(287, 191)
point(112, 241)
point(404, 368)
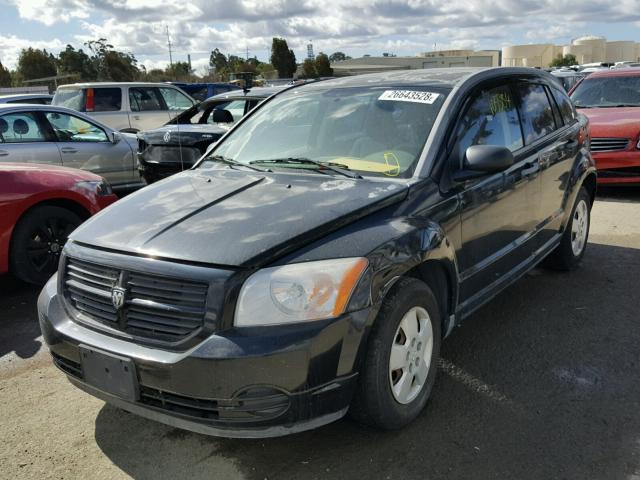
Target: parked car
point(611, 100)
point(313, 262)
point(125, 106)
point(35, 98)
point(568, 78)
point(41, 205)
point(182, 141)
point(202, 91)
point(61, 136)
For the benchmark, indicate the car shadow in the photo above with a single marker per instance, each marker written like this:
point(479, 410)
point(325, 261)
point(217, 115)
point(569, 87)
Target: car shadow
point(19, 328)
point(541, 383)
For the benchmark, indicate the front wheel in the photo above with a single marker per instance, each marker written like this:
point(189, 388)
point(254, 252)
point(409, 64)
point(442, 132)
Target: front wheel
point(37, 242)
point(401, 361)
point(569, 253)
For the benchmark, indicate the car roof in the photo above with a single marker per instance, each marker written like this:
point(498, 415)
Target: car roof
point(26, 95)
point(443, 77)
point(618, 72)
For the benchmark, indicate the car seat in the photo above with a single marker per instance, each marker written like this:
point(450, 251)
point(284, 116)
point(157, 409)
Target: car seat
point(20, 127)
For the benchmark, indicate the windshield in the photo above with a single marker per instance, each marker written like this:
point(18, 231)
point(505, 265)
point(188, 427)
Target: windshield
point(607, 92)
point(371, 130)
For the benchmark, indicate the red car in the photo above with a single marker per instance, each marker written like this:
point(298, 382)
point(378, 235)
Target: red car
point(611, 100)
point(41, 205)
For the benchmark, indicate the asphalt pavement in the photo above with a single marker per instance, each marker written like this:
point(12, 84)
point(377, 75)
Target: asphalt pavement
point(541, 383)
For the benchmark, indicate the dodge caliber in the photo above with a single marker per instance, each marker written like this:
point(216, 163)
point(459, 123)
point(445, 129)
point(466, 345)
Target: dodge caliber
point(312, 262)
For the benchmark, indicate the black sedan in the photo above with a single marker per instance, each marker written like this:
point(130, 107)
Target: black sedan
point(177, 145)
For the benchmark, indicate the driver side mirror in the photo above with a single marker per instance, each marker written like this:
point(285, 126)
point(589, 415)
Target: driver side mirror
point(481, 160)
point(115, 137)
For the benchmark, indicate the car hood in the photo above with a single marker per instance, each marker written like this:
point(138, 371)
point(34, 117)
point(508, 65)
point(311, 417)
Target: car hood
point(613, 122)
point(182, 134)
point(229, 217)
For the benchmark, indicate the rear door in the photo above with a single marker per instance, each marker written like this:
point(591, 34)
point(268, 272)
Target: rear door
point(498, 210)
point(26, 137)
point(85, 145)
point(148, 110)
point(551, 147)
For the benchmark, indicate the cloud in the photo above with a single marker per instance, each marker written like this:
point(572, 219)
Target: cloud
point(366, 26)
point(10, 47)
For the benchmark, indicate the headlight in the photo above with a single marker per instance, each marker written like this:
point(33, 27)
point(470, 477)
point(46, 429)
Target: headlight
point(638, 144)
point(298, 292)
point(100, 187)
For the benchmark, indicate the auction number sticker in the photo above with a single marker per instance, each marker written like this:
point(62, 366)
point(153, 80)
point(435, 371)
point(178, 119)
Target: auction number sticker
point(409, 96)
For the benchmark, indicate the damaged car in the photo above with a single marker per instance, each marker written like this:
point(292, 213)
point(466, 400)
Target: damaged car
point(311, 264)
point(177, 145)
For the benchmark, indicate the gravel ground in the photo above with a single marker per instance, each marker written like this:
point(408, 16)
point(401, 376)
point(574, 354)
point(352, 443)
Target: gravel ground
point(539, 384)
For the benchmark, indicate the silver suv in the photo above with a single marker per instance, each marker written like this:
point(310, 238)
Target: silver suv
point(128, 107)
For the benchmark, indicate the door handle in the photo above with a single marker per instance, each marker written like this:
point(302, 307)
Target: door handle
point(68, 150)
point(4, 153)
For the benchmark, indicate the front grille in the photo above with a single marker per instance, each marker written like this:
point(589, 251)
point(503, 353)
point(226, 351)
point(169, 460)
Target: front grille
point(155, 307)
point(609, 144)
point(68, 366)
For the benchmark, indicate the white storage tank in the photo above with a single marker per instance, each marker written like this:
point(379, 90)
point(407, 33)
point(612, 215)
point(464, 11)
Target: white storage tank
point(598, 46)
point(582, 53)
point(534, 55)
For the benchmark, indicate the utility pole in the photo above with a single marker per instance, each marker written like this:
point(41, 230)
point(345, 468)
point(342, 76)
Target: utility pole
point(247, 52)
point(169, 44)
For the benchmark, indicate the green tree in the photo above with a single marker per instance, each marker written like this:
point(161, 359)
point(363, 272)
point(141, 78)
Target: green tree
point(283, 58)
point(5, 76)
point(323, 66)
point(111, 64)
point(309, 68)
point(338, 57)
point(178, 71)
point(564, 61)
point(35, 63)
point(72, 61)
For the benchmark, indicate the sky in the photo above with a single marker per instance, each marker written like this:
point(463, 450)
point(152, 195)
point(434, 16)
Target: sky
point(355, 27)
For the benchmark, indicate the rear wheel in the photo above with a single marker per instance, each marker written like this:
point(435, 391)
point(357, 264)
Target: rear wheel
point(569, 253)
point(401, 361)
point(38, 240)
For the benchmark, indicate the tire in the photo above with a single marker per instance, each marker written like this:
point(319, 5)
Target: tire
point(569, 253)
point(379, 399)
point(37, 242)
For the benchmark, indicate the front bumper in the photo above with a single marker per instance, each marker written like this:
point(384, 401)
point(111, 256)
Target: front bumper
point(618, 168)
point(158, 162)
point(237, 383)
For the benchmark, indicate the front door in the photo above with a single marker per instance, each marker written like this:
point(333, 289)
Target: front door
point(499, 210)
point(86, 146)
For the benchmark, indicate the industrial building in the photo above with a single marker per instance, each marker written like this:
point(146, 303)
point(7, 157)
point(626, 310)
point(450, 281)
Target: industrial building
point(588, 49)
point(439, 59)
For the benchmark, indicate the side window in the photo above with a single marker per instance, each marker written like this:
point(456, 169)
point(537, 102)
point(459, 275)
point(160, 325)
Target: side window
point(535, 112)
point(144, 99)
point(107, 99)
point(175, 99)
point(564, 105)
point(490, 119)
point(69, 128)
point(20, 127)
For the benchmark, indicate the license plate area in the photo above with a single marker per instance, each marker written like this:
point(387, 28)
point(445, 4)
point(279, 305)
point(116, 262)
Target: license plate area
point(110, 373)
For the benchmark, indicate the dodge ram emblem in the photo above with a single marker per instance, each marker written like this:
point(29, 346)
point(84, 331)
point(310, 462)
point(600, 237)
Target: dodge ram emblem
point(167, 137)
point(117, 297)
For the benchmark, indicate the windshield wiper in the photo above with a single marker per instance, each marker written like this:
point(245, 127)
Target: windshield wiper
point(232, 162)
point(334, 167)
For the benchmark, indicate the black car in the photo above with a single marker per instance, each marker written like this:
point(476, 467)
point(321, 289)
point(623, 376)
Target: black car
point(312, 263)
point(177, 145)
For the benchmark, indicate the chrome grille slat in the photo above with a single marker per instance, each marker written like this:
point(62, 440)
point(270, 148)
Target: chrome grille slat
point(163, 309)
point(605, 144)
